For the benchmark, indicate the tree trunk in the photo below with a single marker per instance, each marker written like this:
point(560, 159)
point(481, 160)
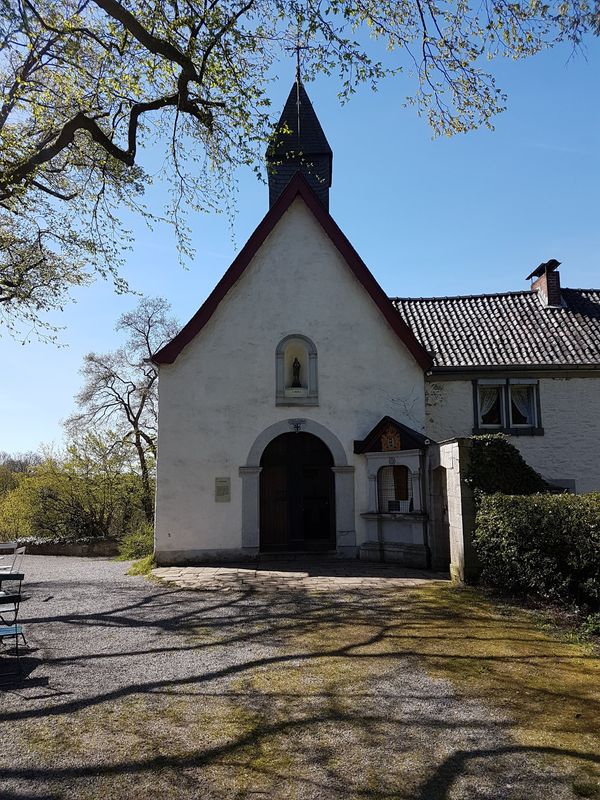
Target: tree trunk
point(147, 493)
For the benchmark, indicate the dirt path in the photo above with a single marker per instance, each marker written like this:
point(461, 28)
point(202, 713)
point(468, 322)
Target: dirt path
point(139, 690)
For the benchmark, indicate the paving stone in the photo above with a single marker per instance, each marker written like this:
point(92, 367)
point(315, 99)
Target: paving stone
point(319, 575)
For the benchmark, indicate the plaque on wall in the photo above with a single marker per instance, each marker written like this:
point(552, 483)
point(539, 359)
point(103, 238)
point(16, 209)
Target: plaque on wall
point(222, 490)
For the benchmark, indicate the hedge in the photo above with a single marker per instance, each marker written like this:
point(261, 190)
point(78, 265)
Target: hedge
point(495, 465)
point(542, 544)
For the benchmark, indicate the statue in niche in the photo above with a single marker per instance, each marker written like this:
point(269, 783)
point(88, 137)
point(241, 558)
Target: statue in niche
point(296, 374)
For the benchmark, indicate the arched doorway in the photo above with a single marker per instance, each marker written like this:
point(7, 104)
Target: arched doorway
point(297, 494)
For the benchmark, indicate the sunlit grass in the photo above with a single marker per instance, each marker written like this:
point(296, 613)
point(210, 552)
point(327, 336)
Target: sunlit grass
point(142, 566)
point(326, 704)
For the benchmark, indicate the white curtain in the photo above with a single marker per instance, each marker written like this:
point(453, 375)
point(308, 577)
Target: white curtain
point(521, 397)
point(487, 398)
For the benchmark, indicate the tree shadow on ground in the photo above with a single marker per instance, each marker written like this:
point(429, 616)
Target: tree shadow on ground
point(364, 694)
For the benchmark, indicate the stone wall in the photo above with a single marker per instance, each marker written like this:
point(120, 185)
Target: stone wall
point(85, 547)
point(458, 522)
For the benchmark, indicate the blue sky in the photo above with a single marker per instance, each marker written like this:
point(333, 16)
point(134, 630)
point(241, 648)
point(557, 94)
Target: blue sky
point(470, 214)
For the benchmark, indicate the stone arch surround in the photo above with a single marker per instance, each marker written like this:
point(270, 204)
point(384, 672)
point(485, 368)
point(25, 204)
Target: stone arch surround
point(345, 533)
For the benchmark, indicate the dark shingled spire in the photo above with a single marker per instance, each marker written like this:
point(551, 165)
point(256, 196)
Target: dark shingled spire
point(305, 149)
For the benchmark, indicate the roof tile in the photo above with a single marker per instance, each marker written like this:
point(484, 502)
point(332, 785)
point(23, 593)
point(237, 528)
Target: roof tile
point(511, 329)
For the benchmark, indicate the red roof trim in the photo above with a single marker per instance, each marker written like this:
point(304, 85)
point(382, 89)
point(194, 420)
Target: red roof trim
point(297, 186)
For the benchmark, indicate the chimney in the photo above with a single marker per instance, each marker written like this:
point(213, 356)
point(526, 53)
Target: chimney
point(547, 283)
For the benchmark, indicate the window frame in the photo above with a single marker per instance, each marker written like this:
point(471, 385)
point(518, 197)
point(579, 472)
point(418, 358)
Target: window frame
point(414, 459)
point(507, 425)
point(490, 427)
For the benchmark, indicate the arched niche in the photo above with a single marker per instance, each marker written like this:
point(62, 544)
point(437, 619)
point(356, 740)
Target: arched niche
point(296, 373)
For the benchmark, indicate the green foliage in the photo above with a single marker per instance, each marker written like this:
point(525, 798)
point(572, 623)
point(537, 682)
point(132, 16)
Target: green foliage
point(495, 465)
point(142, 567)
point(137, 543)
point(86, 86)
point(11, 466)
point(591, 625)
point(8, 480)
point(90, 492)
point(543, 544)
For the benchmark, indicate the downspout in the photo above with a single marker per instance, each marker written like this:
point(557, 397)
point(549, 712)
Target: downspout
point(425, 465)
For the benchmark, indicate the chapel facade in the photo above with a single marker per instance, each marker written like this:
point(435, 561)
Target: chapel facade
point(302, 409)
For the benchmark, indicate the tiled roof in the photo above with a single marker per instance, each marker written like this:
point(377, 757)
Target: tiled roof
point(512, 329)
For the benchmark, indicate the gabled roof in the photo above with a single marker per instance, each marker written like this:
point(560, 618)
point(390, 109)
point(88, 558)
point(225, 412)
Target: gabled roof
point(298, 187)
point(409, 438)
point(507, 330)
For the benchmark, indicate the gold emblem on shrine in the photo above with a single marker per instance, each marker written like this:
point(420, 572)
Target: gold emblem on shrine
point(390, 439)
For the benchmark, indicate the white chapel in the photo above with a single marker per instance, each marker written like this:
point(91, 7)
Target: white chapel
point(301, 409)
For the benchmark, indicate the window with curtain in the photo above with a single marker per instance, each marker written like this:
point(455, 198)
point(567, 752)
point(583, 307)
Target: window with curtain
point(510, 405)
point(522, 405)
point(491, 406)
point(394, 489)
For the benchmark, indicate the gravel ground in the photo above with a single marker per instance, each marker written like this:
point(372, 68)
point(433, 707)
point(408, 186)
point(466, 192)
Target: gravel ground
point(140, 690)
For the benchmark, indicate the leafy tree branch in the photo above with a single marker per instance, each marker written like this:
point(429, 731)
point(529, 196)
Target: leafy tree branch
point(89, 85)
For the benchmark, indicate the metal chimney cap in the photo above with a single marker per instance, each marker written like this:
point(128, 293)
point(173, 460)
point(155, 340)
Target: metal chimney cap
point(547, 266)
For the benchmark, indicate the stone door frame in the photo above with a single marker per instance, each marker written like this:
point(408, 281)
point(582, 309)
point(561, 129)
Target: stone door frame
point(345, 534)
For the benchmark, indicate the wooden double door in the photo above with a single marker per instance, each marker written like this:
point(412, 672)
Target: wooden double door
point(297, 494)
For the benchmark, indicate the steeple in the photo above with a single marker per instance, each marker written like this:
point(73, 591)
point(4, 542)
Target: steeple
point(303, 148)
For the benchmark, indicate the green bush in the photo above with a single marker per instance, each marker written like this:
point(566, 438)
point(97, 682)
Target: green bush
point(542, 544)
point(591, 625)
point(495, 465)
point(89, 492)
point(138, 543)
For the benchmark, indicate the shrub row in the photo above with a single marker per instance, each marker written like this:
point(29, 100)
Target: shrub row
point(542, 544)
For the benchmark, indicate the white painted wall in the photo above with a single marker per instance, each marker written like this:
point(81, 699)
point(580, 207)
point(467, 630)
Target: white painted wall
point(220, 393)
point(570, 446)
point(448, 409)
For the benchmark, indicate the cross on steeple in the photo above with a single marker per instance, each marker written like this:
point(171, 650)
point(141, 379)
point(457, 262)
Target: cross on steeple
point(298, 86)
point(298, 48)
point(298, 143)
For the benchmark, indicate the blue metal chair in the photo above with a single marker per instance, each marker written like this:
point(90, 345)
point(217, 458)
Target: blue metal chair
point(10, 608)
point(10, 576)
